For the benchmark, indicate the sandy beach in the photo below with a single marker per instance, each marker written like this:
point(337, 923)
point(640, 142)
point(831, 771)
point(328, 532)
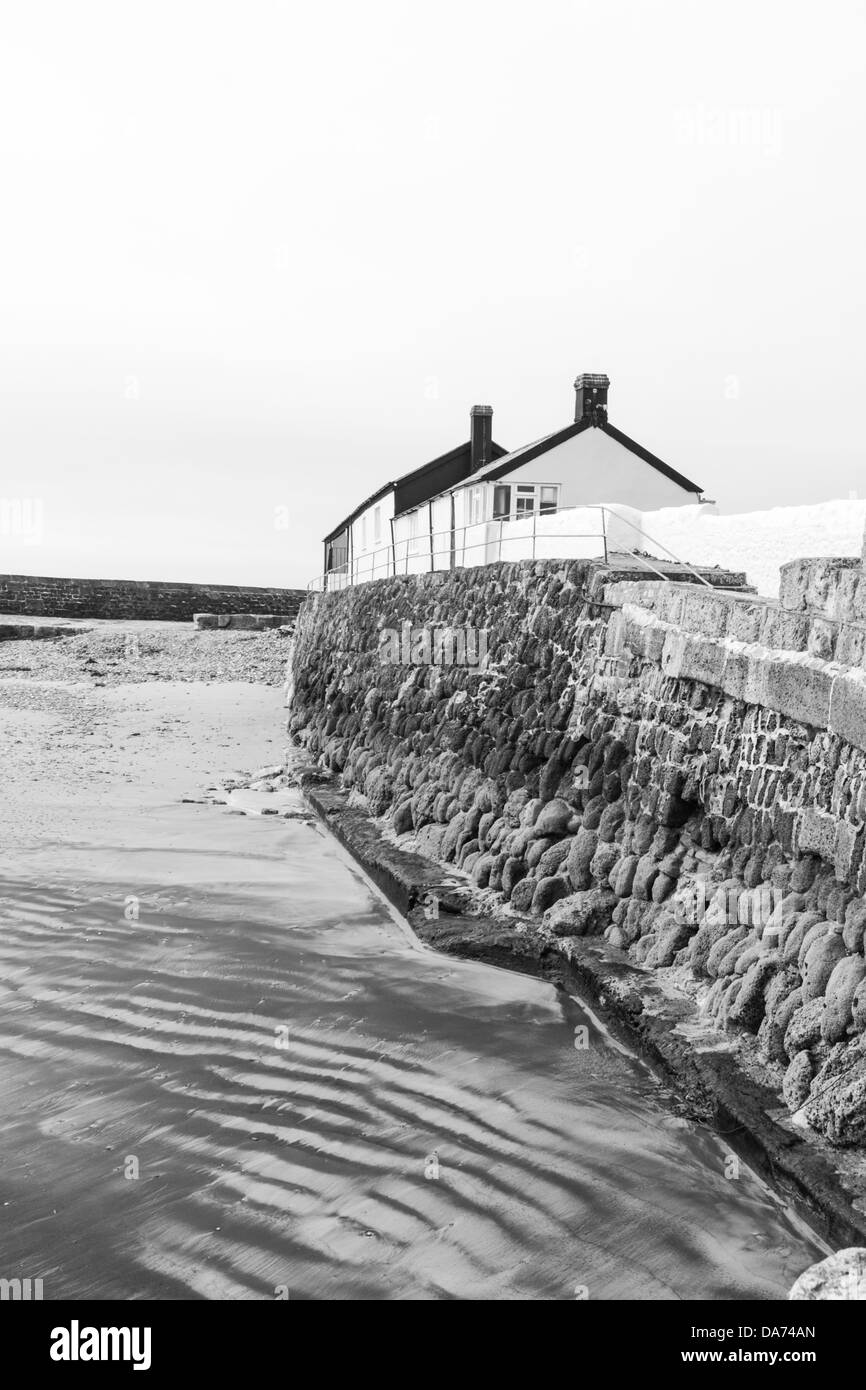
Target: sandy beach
point(229, 1072)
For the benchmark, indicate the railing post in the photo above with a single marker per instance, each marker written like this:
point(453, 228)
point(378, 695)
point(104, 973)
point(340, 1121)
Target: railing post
point(533, 532)
point(501, 522)
point(604, 531)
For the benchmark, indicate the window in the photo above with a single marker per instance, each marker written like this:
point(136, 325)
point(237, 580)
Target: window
point(525, 502)
point(377, 526)
point(531, 497)
point(363, 533)
point(501, 501)
point(476, 505)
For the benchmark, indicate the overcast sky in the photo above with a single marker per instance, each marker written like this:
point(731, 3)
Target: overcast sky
point(258, 258)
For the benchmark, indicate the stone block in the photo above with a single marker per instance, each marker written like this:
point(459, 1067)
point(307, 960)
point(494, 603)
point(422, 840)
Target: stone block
point(785, 631)
point(847, 716)
point(745, 620)
point(851, 645)
point(704, 612)
point(647, 640)
point(822, 638)
point(816, 833)
point(691, 657)
point(745, 674)
point(801, 690)
point(847, 850)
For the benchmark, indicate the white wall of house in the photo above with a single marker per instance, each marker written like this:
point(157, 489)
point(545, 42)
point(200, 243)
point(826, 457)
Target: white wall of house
point(592, 468)
point(412, 541)
point(442, 532)
point(370, 552)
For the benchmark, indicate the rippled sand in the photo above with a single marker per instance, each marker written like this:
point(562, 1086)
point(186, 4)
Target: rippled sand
point(228, 1072)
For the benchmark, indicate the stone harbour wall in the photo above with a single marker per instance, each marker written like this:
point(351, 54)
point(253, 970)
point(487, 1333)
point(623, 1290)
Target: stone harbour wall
point(39, 595)
point(679, 768)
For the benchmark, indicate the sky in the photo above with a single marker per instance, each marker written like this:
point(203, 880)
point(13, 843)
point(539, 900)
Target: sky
point(259, 258)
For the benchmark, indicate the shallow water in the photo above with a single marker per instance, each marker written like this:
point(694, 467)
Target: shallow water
point(228, 1072)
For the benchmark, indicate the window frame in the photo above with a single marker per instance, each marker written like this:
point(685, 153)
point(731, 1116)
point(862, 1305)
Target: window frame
point(531, 493)
point(477, 507)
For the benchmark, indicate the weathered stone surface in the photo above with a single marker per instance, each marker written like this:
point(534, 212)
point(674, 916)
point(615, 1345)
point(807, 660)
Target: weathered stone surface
point(612, 818)
point(645, 876)
point(855, 925)
point(840, 1277)
point(536, 850)
point(581, 914)
point(820, 961)
point(553, 819)
point(858, 1007)
point(839, 997)
point(548, 891)
point(669, 939)
point(804, 1030)
point(803, 924)
point(604, 860)
point(580, 857)
point(624, 875)
point(748, 1009)
point(512, 873)
point(553, 858)
point(798, 1079)
point(847, 716)
point(837, 1100)
point(723, 948)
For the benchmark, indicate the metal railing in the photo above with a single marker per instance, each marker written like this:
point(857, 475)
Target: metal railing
point(420, 548)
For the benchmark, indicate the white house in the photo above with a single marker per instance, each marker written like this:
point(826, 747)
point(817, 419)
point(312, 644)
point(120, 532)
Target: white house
point(578, 491)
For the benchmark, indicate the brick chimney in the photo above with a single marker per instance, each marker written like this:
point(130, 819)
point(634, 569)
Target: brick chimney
point(480, 436)
point(591, 397)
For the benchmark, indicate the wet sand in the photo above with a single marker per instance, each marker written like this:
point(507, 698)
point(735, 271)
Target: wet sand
point(228, 1072)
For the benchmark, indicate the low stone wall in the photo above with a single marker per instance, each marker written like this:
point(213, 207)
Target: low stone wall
point(143, 599)
point(24, 632)
point(248, 622)
point(678, 769)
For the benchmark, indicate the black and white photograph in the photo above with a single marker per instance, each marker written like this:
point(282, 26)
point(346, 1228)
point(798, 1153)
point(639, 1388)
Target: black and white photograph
point(432, 669)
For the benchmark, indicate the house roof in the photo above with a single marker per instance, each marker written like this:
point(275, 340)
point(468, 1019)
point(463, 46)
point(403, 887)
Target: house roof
point(368, 502)
point(422, 483)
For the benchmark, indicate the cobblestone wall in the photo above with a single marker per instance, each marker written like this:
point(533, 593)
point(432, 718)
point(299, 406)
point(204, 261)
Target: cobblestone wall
point(632, 759)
